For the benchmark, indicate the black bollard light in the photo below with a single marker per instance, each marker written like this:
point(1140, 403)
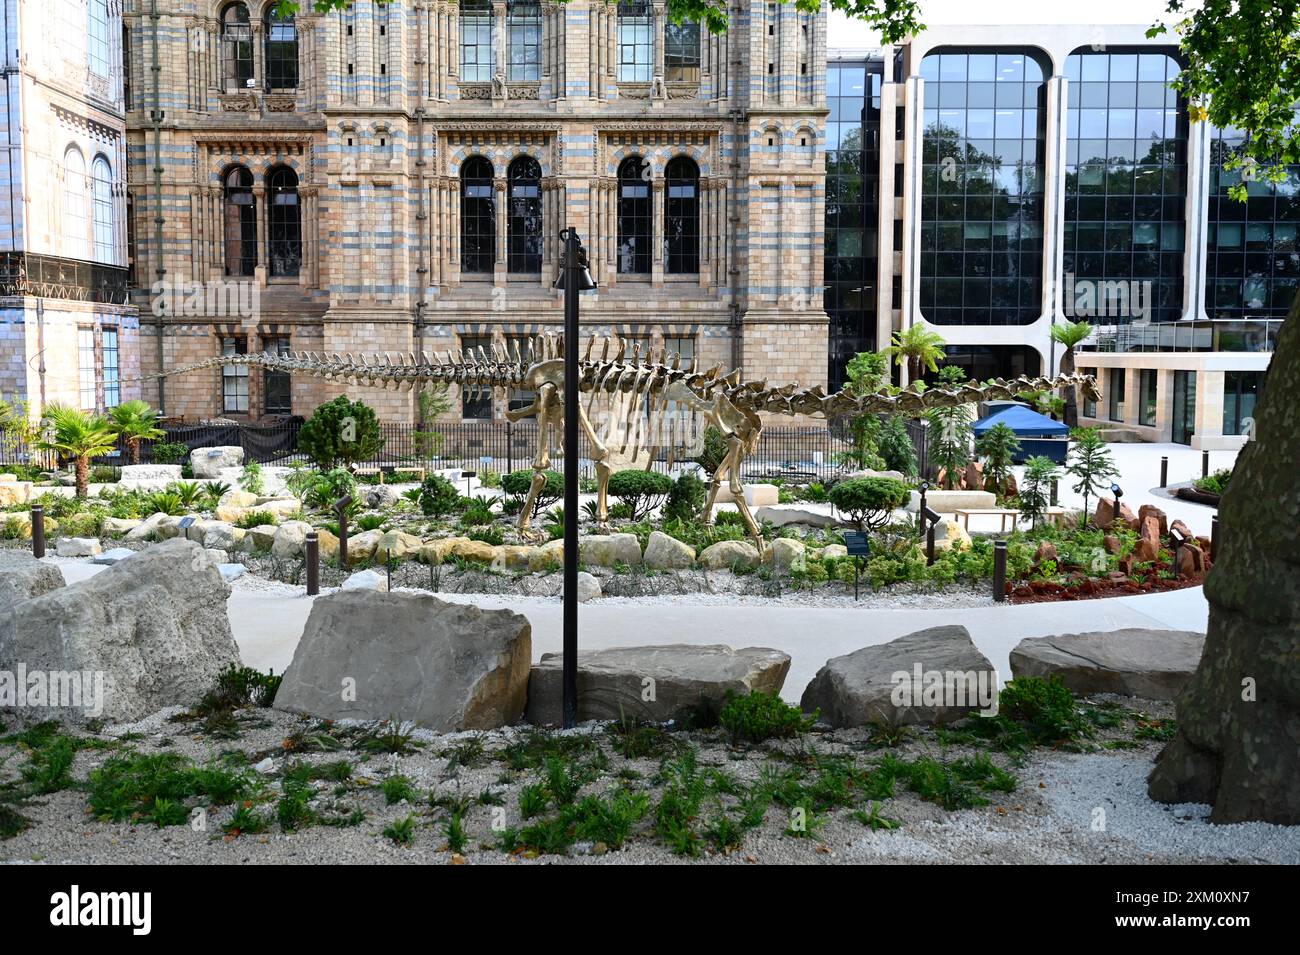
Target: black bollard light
point(1205, 464)
point(38, 530)
point(999, 571)
point(313, 564)
point(1164, 470)
point(1214, 537)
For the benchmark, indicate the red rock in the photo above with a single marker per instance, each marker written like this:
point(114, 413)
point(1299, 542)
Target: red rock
point(1145, 551)
point(1046, 551)
point(1112, 544)
point(973, 477)
point(1180, 528)
point(1150, 510)
point(1191, 561)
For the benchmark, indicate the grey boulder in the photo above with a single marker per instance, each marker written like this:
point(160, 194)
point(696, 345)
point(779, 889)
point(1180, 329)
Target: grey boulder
point(22, 577)
point(672, 682)
point(880, 684)
point(153, 628)
point(366, 655)
point(1152, 664)
point(781, 516)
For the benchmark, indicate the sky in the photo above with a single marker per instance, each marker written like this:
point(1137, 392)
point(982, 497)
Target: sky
point(846, 34)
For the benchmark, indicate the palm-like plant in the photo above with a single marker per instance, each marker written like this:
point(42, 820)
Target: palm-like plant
point(1069, 335)
point(998, 446)
point(80, 435)
point(918, 348)
point(135, 421)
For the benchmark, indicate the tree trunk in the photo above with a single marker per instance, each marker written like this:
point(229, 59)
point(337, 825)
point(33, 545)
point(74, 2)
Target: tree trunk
point(83, 475)
point(1238, 741)
point(1071, 414)
point(134, 445)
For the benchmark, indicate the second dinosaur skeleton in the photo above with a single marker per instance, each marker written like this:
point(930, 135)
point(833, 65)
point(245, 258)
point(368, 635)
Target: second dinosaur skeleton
point(644, 403)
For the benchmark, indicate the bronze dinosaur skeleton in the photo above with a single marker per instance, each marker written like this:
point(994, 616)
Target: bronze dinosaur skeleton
point(643, 397)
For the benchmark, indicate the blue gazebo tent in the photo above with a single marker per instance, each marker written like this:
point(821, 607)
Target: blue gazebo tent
point(1038, 433)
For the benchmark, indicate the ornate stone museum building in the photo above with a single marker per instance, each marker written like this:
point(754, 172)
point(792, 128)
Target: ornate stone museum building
point(393, 178)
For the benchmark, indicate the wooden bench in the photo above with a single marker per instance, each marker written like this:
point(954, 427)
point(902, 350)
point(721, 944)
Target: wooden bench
point(963, 516)
point(1056, 515)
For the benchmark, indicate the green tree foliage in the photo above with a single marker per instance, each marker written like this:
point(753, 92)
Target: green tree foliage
point(895, 446)
point(516, 484)
point(919, 349)
point(438, 496)
point(1241, 71)
point(1036, 487)
point(998, 446)
point(1070, 335)
point(1090, 464)
point(869, 502)
point(950, 441)
point(714, 450)
point(134, 421)
point(434, 401)
point(686, 499)
point(341, 432)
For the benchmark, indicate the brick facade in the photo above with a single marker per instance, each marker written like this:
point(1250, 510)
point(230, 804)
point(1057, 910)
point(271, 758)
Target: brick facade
point(377, 133)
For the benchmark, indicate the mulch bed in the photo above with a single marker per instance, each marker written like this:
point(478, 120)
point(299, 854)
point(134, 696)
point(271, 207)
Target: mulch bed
point(1043, 591)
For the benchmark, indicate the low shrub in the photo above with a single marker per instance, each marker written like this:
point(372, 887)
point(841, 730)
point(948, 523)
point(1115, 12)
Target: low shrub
point(642, 491)
point(250, 519)
point(686, 499)
point(517, 483)
point(438, 496)
point(869, 501)
point(170, 452)
point(760, 716)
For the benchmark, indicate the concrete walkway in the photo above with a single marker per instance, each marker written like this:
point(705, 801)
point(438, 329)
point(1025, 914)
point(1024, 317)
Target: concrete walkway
point(267, 625)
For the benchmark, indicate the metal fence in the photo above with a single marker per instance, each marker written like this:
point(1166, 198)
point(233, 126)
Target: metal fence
point(792, 454)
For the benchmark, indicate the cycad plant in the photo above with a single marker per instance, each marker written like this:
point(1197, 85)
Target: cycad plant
point(918, 348)
point(1070, 334)
point(79, 435)
point(998, 446)
point(134, 421)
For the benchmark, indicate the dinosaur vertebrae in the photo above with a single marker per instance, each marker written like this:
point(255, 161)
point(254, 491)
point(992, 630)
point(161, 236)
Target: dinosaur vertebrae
point(647, 375)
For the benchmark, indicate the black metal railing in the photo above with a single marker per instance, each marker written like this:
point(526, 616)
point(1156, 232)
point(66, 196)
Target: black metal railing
point(792, 454)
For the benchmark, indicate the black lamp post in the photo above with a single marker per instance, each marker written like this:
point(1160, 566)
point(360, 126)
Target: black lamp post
point(1118, 492)
point(574, 277)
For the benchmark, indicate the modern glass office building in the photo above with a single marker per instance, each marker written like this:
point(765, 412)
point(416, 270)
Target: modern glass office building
point(1038, 175)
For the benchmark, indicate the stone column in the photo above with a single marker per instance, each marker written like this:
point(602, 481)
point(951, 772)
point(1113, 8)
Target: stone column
point(500, 194)
point(310, 251)
point(657, 263)
point(263, 239)
point(259, 50)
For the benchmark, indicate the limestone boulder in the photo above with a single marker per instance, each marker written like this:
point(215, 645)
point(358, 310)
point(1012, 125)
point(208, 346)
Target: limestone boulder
point(725, 555)
point(396, 545)
point(657, 683)
point(367, 580)
point(756, 495)
point(15, 492)
point(290, 538)
point(949, 534)
point(445, 666)
point(588, 587)
point(608, 550)
point(361, 547)
point(117, 526)
point(513, 557)
point(148, 476)
point(327, 543)
point(663, 552)
point(219, 535)
point(438, 551)
point(479, 552)
point(154, 626)
point(22, 577)
point(237, 498)
point(927, 677)
point(148, 528)
point(785, 515)
point(78, 547)
point(261, 538)
point(208, 463)
point(379, 496)
point(784, 555)
point(1152, 664)
point(547, 557)
point(831, 551)
point(869, 472)
point(113, 555)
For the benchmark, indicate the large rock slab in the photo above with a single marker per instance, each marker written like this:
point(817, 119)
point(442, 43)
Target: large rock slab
point(663, 552)
point(142, 476)
point(946, 502)
point(724, 555)
point(208, 463)
point(660, 683)
point(153, 629)
point(879, 684)
point(607, 550)
point(786, 514)
point(78, 547)
point(374, 656)
point(15, 492)
point(22, 577)
point(1152, 664)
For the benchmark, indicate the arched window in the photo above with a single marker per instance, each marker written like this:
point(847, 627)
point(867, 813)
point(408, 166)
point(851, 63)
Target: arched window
point(524, 253)
point(74, 203)
point(284, 221)
point(97, 54)
point(237, 44)
point(239, 223)
point(281, 50)
point(635, 226)
point(682, 216)
point(478, 216)
point(101, 193)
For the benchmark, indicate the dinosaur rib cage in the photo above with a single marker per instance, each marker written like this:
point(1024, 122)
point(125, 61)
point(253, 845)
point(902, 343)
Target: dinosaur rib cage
point(643, 375)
